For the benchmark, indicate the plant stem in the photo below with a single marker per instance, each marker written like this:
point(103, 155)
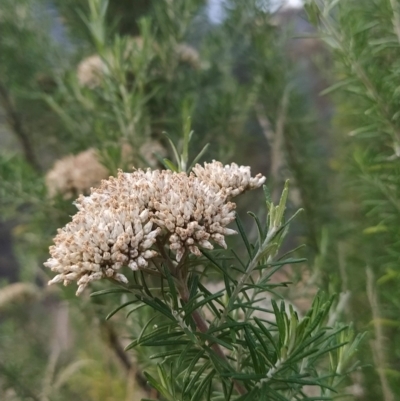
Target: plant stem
point(203, 327)
point(377, 345)
point(198, 319)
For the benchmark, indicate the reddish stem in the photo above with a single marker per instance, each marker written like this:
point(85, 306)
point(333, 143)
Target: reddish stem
point(203, 327)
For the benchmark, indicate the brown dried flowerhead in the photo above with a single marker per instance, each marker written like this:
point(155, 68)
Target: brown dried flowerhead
point(188, 55)
point(119, 223)
point(75, 174)
point(92, 69)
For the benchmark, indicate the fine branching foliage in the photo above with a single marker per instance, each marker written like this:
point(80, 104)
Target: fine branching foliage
point(191, 298)
point(236, 343)
point(365, 41)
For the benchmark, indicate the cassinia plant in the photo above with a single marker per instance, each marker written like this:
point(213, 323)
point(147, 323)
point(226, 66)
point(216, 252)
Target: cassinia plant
point(201, 319)
point(364, 38)
point(153, 234)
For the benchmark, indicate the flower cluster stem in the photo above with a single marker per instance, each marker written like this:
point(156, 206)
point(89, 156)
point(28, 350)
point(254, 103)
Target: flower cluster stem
point(203, 327)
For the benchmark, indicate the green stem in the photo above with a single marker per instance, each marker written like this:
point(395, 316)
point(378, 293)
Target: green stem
point(203, 327)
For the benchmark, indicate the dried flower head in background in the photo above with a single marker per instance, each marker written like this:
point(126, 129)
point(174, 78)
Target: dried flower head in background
point(17, 294)
point(119, 223)
point(75, 174)
point(188, 55)
point(90, 71)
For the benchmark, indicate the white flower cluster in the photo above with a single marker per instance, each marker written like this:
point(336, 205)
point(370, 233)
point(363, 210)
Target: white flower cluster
point(118, 224)
point(232, 178)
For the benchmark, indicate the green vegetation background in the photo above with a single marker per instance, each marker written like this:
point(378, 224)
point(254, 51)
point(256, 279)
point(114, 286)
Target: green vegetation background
point(320, 107)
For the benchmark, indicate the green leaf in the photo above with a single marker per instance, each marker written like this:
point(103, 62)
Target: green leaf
point(215, 262)
point(155, 384)
point(172, 288)
point(243, 376)
point(214, 339)
point(166, 354)
point(198, 394)
point(194, 379)
point(169, 165)
point(227, 285)
point(250, 396)
point(261, 234)
point(313, 12)
point(279, 321)
point(249, 306)
point(191, 366)
point(266, 354)
point(197, 158)
point(135, 308)
point(251, 346)
point(211, 304)
point(111, 314)
point(190, 307)
point(267, 194)
point(244, 236)
point(338, 85)
point(193, 285)
point(158, 333)
point(159, 306)
point(145, 327)
point(112, 291)
point(230, 325)
point(228, 389)
point(267, 334)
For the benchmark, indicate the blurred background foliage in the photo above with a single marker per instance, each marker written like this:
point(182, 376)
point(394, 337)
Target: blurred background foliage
point(87, 87)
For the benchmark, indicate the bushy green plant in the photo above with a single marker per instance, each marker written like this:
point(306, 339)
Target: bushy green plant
point(364, 39)
point(104, 91)
point(213, 344)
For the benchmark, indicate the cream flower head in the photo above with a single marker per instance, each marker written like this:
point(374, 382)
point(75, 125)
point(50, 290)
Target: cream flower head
point(120, 222)
point(188, 55)
point(90, 71)
point(75, 174)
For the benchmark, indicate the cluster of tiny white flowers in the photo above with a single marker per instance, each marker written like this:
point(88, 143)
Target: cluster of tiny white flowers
point(118, 224)
point(192, 212)
point(231, 177)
